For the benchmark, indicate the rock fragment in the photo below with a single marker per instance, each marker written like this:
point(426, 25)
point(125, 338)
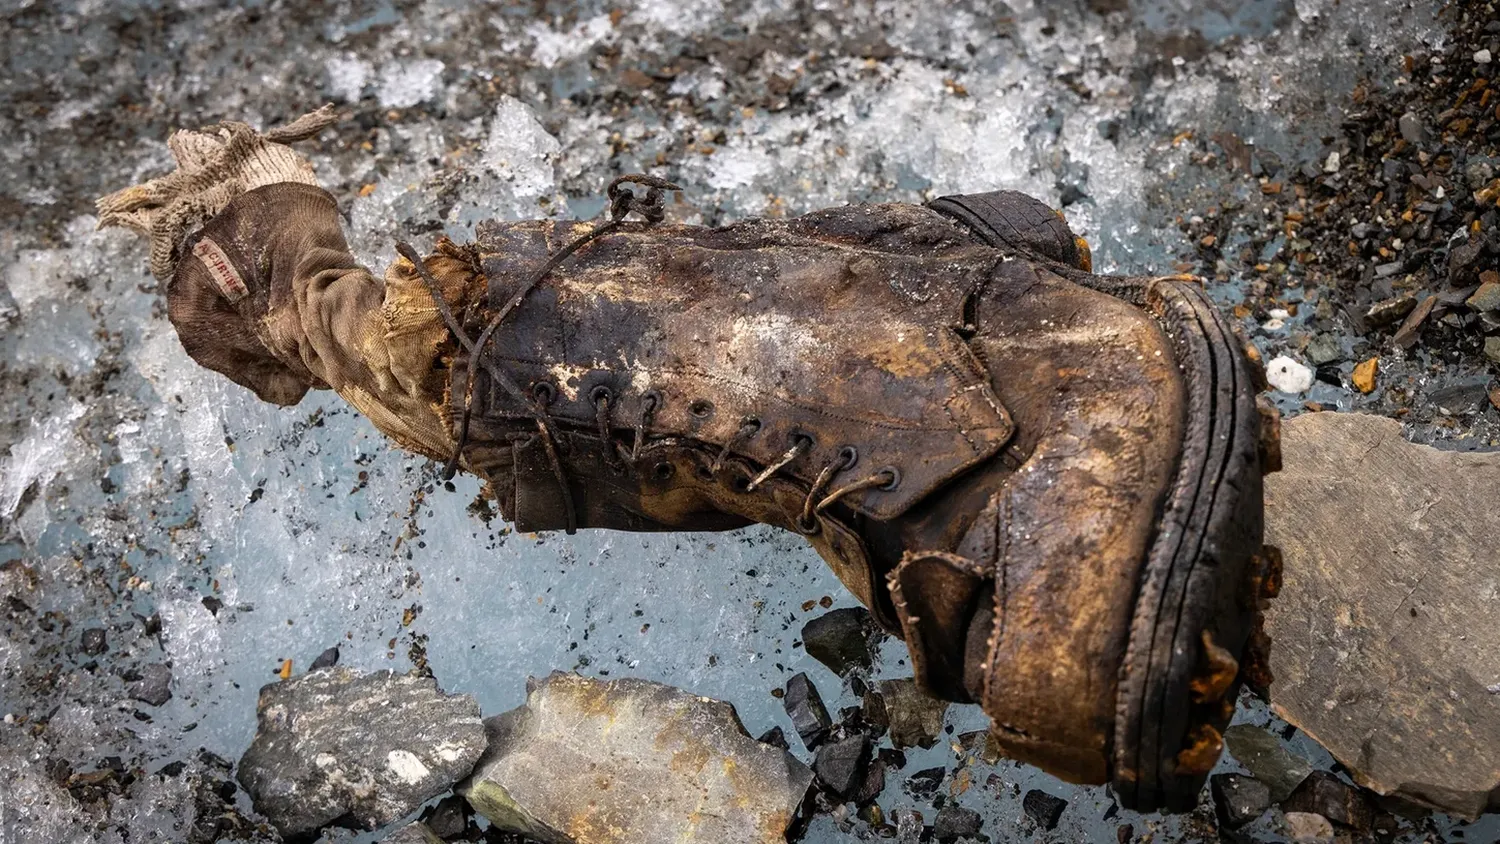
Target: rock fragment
point(1324, 794)
point(1238, 799)
point(1384, 641)
point(93, 641)
point(1410, 126)
point(1364, 375)
point(597, 762)
point(1487, 297)
point(1272, 764)
point(841, 639)
point(361, 750)
point(414, 833)
point(1288, 375)
point(840, 765)
point(805, 707)
point(449, 818)
point(1304, 828)
point(915, 718)
point(152, 685)
point(326, 659)
point(1044, 809)
point(954, 821)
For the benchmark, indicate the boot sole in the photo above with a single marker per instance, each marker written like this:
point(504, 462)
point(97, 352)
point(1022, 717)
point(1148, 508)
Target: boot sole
point(1198, 598)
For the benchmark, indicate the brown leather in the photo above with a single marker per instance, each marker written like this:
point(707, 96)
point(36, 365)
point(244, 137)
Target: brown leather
point(1048, 481)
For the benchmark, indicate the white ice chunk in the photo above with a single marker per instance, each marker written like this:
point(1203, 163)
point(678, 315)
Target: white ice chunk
point(520, 149)
point(404, 84)
point(39, 457)
point(348, 75)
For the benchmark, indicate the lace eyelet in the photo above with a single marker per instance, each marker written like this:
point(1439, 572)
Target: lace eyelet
point(807, 529)
point(850, 457)
point(602, 393)
point(651, 400)
point(662, 471)
point(741, 483)
point(543, 393)
point(701, 408)
point(895, 480)
point(753, 424)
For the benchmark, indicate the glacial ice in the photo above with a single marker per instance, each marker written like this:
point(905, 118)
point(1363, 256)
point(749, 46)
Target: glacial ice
point(134, 483)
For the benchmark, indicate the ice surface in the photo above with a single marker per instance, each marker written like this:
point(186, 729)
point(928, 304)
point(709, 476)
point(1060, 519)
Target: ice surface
point(135, 484)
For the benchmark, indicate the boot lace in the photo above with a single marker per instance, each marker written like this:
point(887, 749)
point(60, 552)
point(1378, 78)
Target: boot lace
point(652, 208)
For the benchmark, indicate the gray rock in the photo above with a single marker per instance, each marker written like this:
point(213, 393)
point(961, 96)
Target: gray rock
point(1384, 637)
point(1412, 129)
point(449, 818)
point(93, 641)
point(326, 659)
point(1324, 348)
point(1305, 828)
point(1267, 758)
point(841, 765)
point(597, 762)
point(805, 707)
point(1492, 348)
point(1044, 809)
point(361, 749)
point(954, 821)
point(1463, 396)
point(153, 685)
point(1238, 799)
point(1325, 794)
point(915, 718)
point(414, 833)
point(1486, 298)
point(841, 639)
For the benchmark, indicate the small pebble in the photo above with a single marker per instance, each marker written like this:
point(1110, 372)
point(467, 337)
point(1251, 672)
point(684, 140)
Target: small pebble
point(1288, 375)
point(1482, 57)
point(1331, 164)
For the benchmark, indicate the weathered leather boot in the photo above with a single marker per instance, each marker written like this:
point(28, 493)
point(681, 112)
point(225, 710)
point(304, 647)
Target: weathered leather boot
point(1047, 482)
point(1052, 494)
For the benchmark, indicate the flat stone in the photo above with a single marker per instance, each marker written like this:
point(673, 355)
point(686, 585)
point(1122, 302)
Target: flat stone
point(1463, 396)
point(954, 821)
point(1486, 298)
point(1238, 799)
point(915, 718)
point(1492, 348)
point(362, 750)
point(841, 639)
point(1044, 809)
point(805, 707)
point(153, 685)
point(1264, 755)
point(1323, 793)
point(595, 762)
point(1384, 642)
point(840, 765)
point(1304, 828)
